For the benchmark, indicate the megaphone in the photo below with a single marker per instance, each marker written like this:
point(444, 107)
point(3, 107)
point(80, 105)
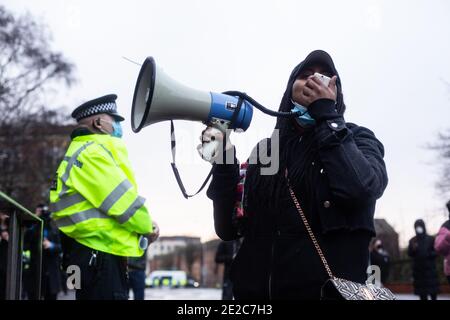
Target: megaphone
point(157, 97)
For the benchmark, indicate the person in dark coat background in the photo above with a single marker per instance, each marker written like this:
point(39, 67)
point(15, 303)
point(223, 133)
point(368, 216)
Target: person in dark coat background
point(421, 249)
point(4, 238)
point(225, 254)
point(136, 275)
point(380, 257)
point(442, 244)
point(51, 262)
point(336, 170)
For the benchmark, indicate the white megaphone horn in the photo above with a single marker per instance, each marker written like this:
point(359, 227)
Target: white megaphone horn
point(157, 97)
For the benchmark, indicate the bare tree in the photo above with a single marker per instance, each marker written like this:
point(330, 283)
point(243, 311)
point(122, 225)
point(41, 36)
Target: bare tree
point(32, 136)
point(442, 147)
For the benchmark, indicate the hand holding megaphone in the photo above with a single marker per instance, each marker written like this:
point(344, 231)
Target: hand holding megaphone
point(212, 144)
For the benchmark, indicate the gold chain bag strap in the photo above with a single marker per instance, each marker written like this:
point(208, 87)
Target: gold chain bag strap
point(336, 288)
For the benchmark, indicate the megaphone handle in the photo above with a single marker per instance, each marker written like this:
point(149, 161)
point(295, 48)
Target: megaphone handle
point(209, 149)
point(175, 169)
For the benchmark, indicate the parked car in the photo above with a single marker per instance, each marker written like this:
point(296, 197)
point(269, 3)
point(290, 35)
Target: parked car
point(170, 279)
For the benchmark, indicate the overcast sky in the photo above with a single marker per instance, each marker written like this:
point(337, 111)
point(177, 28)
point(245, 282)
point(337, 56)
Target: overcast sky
point(393, 59)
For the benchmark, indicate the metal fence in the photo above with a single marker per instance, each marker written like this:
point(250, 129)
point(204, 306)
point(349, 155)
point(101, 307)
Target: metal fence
point(20, 219)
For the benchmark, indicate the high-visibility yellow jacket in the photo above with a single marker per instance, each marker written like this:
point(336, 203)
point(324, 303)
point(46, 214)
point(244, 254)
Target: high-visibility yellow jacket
point(95, 199)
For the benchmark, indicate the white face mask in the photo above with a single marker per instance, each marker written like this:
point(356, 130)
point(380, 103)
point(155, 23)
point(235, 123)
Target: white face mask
point(419, 230)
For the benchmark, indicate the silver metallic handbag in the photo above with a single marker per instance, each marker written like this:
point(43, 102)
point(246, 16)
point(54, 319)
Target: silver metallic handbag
point(336, 288)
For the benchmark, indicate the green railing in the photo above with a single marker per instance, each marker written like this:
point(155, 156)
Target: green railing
point(20, 219)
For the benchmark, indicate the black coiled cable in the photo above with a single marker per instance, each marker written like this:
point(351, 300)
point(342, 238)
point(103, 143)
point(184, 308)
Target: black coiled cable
point(260, 107)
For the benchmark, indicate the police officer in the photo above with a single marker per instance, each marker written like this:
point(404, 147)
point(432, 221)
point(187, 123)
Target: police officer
point(96, 205)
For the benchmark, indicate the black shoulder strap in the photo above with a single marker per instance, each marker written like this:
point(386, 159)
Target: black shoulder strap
point(173, 145)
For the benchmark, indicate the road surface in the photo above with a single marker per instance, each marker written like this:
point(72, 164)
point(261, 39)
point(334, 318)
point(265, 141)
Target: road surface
point(208, 294)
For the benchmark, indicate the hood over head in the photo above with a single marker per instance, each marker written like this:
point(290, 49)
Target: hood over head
point(316, 57)
point(420, 223)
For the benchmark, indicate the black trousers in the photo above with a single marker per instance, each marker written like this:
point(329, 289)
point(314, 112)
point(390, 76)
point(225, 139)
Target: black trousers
point(137, 283)
point(103, 277)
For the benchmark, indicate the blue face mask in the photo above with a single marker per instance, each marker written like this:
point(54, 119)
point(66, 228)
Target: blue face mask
point(304, 120)
point(117, 129)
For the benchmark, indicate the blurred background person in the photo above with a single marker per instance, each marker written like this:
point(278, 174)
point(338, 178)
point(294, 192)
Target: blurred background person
point(380, 257)
point(4, 237)
point(51, 263)
point(136, 275)
point(421, 250)
point(27, 274)
point(442, 244)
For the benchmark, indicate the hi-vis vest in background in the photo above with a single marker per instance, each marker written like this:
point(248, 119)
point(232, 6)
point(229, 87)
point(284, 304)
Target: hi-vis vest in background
point(95, 199)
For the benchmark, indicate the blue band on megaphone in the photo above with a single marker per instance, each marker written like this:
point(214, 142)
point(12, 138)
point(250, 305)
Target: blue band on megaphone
point(223, 107)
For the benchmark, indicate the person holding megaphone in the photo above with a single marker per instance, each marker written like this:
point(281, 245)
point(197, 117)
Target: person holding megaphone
point(312, 220)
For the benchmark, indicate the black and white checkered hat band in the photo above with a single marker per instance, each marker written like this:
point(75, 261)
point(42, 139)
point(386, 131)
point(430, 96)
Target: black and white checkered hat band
point(99, 108)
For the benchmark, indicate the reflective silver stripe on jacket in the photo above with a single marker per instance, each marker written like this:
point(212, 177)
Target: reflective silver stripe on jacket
point(96, 213)
point(135, 206)
point(66, 201)
point(109, 152)
point(80, 217)
point(115, 195)
point(70, 164)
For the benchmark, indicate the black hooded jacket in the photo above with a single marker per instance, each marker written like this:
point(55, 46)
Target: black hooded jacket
point(421, 250)
point(337, 172)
